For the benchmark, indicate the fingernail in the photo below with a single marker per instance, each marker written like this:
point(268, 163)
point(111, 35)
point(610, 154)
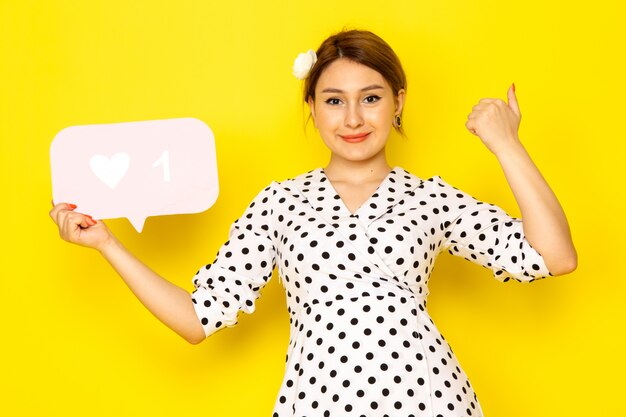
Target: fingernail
point(73, 206)
point(513, 87)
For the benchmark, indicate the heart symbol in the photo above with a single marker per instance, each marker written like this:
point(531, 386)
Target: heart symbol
point(110, 171)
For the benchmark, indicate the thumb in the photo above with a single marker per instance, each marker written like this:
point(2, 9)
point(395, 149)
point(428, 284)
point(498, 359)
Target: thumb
point(513, 100)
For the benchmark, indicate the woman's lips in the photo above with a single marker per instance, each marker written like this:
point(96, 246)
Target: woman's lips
point(355, 138)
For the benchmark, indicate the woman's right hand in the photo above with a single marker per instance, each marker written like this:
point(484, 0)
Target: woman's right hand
point(79, 228)
point(168, 302)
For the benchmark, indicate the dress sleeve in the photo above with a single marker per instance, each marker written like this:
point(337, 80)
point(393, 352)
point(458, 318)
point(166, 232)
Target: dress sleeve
point(485, 234)
point(242, 267)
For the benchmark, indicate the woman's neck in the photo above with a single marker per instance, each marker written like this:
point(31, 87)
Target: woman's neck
point(343, 170)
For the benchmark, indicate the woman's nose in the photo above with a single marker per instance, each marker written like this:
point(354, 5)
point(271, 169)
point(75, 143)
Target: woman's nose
point(354, 118)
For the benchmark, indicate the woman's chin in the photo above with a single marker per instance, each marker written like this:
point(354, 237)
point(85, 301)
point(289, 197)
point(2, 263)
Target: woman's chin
point(356, 156)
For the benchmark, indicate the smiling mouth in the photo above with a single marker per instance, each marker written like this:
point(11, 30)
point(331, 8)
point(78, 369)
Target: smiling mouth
point(355, 138)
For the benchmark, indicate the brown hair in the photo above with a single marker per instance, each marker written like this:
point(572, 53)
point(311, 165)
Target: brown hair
point(360, 46)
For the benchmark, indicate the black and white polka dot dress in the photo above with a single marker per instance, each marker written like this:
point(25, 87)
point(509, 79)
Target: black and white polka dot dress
point(361, 340)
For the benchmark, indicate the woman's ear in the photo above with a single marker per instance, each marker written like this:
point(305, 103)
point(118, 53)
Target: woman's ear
point(400, 101)
point(311, 103)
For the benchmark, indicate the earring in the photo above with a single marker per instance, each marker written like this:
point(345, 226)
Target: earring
point(397, 120)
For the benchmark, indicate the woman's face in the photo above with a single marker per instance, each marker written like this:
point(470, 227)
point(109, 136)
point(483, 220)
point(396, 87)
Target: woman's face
point(353, 110)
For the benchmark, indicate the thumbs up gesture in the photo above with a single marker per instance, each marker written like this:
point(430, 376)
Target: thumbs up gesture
point(496, 122)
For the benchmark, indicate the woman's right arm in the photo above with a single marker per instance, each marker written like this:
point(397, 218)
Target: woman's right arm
point(170, 303)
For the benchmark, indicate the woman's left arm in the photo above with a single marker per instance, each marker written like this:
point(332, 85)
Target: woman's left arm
point(545, 224)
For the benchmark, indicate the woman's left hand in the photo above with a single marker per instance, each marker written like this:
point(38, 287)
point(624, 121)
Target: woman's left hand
point(496, 122)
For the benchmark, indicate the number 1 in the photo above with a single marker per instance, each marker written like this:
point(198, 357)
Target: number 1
point(164, 160)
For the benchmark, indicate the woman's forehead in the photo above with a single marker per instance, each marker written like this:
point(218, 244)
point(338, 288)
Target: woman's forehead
point(347, 75)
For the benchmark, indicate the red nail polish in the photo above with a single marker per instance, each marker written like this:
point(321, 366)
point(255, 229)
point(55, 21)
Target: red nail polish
point(513, 87)
point(73, 206)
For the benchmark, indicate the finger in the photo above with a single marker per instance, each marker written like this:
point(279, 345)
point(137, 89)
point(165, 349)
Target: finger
point(471, 126)
point(90, 220)
point(513, 104)
point(60, 207)
point(85, 220)
point(58, 214)
point(72, 223)
point(482, 109)
point(68, 225)
point(492, 101)
point(488, 103)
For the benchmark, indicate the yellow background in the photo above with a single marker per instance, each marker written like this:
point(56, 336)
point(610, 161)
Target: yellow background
point(76, 342)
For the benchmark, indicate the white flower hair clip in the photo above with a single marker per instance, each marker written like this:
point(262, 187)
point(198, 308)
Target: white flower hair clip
point(303, 64)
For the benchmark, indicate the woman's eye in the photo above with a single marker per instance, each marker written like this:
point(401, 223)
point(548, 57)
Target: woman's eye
point(333, 101)
point(372, 99)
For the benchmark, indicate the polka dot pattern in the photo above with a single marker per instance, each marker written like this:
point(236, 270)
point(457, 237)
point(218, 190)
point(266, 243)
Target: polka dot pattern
point(361, 340)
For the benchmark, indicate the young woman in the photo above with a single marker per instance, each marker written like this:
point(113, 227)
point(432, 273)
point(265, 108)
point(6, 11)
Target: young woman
point(355, 243)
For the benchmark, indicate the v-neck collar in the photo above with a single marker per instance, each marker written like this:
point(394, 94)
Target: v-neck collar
point(323, 197)
point(370, 201)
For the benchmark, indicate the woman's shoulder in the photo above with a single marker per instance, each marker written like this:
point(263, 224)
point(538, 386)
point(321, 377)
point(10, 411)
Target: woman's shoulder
point(426, 187)
point(290, 183)
point(423, 182)
point(313, 176)
point(307, 175)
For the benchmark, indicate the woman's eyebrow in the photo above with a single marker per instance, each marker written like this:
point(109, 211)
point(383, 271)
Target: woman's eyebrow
point(337, 90)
